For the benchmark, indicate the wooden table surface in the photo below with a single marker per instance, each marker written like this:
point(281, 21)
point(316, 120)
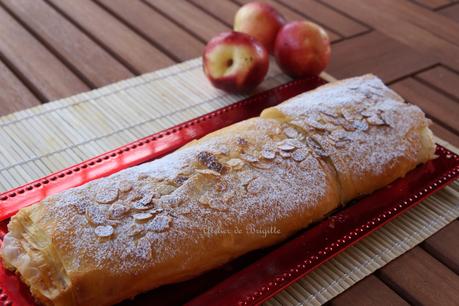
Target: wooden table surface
point(50, 49)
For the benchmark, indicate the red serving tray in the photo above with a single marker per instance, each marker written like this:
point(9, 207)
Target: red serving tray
point(254, 277)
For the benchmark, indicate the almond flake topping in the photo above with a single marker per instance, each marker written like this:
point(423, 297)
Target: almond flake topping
point(141, 217)
point(286, 147)
point(136, 230)
point(375, 120)
point(117, 211)
point(249, 158)
point(285, 154)
point(125, 186)
point(235, 163)
point(106, 194)
point(171, 200)
point(104, 231)
point(268, 154)
point(291, 132)
point(299, 155)
point(255, 186)
point(95, 215)
point(208, 171)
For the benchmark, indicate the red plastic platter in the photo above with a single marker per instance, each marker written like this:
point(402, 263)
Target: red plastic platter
point(257, 276)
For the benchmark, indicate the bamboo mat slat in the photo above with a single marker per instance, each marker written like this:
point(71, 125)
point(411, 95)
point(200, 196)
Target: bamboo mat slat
point(49, 137)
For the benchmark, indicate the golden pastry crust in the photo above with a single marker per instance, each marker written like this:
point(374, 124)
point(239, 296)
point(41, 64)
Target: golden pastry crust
point(241, 188)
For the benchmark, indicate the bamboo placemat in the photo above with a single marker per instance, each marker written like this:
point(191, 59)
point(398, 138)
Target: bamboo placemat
point(49, 137)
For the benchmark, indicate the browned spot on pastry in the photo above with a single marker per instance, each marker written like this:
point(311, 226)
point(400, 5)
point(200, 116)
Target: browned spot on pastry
point(180, 179)
point(210, 161)
point(242, 142)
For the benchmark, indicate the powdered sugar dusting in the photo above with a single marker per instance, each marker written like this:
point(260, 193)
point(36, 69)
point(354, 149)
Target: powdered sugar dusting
point(260, 173)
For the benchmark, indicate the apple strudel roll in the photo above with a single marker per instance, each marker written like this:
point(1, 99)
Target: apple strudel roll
point(216, 198)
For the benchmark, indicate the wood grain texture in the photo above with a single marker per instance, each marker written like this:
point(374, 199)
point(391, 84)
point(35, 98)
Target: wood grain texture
point(45, 74)
point(421, 279)
point(445, 133)
point(376, 53)
point(291, 15)
point(14, 95)
point(191, 18)
point(451, 12)
point(433, 4)
point(411, 29)
point(224, 10)
point(432, 102)
point(129, 47)
point(91, 61)
point(444, 245)
point(443, 79)
point(165, 34)
point(369, 291)
point(322, 14)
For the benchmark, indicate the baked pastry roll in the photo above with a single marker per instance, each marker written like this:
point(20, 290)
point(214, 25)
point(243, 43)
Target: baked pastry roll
point(216, 198)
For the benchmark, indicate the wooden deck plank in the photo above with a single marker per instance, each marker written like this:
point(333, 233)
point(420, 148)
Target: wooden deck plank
point(369, 291)
point(432, 102)
point(423, 18)
point(14, 95)
point(433, 4)
point(451, 12)
point(320, 13)
point(161, 31)
point(444, 246)
point(224, 10)
point(134, 51)
point(191, 18)
point(45, 74)
point(91, 61)
point(437, 41)
point(291, 15)
point(445, 134)
point(421, 279)
point(378, 54)
point(443, 79)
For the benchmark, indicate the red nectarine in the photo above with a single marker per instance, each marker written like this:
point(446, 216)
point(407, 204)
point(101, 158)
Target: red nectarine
point(235, 62)
point(261, 21)
point(302, 49)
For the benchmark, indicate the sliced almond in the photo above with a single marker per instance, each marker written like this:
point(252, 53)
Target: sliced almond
point(255, 186)
point(142, 217)
point(136, 230)
point(300, 155)
point(106, 194)
point(95, 215)
point(117, 211)
point(235, 163)
point(291, 132)
point(285, 154)
point(208, 172)
point(104, 231)
point(268, 154)
point(249, 158)
point(125, 186)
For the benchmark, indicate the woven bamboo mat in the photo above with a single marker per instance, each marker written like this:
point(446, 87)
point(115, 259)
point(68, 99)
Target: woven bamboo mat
point(47, 138)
